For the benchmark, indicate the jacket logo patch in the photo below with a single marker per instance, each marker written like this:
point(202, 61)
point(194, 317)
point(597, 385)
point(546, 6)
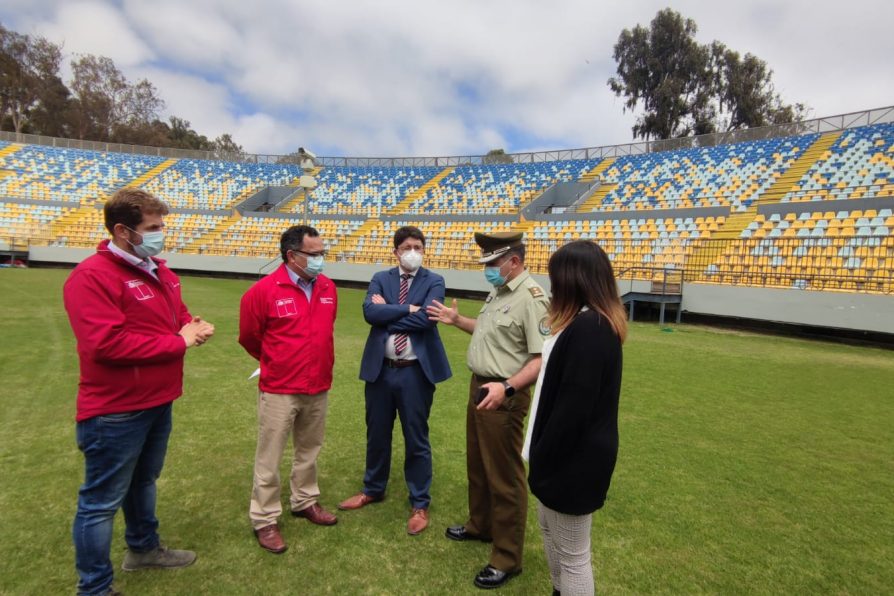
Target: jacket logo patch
point(285, 307)
point(139, 289)
point(325, 300)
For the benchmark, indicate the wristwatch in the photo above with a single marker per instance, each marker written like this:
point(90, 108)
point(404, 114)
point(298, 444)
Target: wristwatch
point(509, 389)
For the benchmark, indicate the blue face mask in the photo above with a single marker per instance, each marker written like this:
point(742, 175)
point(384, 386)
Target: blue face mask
point(494, 276)
point(314, 266)
point(153, 243)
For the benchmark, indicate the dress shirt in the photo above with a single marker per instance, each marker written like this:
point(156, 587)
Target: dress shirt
point(147, 264)
point(408, 353)
point(306, 286)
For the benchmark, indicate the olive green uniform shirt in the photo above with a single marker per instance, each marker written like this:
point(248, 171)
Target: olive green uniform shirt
point(510, 329)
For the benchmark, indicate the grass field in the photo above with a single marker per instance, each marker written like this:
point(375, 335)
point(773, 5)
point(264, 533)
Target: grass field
point(748, 464)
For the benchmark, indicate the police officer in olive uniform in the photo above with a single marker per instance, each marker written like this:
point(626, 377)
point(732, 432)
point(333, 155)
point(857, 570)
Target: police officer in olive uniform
point(504, 356)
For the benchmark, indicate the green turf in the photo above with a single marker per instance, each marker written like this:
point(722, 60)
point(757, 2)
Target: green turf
point(747, 464)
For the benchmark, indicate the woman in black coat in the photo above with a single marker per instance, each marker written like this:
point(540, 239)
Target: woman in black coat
point(572, 441)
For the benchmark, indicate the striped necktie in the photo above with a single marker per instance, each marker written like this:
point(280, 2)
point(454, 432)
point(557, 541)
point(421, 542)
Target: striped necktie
point(400, 339)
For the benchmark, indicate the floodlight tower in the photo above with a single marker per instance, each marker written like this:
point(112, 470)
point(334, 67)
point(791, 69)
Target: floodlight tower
point(308, 162)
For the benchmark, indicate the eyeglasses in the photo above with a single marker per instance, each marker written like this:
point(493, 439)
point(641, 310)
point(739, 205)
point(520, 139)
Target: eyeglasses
point(322, 253)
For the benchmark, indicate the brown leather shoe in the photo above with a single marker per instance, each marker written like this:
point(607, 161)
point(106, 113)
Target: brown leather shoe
point(317, 515)
point(418, 521)
point(270, 539)
point(357, 501)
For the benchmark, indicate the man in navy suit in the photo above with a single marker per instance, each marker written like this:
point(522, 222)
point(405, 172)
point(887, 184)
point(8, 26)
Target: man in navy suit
point(402, 361)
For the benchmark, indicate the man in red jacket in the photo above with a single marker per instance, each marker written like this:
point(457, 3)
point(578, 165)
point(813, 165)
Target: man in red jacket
point(286, 321)
point(132, 331)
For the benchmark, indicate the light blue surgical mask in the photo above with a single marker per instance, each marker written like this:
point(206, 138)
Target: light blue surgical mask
point(314, 266)
point(153, 243)
point(495, 276)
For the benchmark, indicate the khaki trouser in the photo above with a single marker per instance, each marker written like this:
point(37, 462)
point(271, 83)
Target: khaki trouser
point(498, 490)
point(304, 417)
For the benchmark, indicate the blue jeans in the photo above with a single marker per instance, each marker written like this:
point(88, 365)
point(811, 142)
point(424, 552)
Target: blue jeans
point(123, 454)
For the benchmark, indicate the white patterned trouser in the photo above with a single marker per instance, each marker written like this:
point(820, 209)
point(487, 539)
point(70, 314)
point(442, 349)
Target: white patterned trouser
point(566, 540)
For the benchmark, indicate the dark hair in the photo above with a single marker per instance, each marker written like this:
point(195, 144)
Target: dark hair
point(408, 232)
point(293, 239)
point(580, 274)
point(128, 206)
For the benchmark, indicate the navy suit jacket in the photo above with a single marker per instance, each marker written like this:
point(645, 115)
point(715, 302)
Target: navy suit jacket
point(396, 318)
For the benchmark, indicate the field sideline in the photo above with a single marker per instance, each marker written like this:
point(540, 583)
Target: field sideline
point(748, 464)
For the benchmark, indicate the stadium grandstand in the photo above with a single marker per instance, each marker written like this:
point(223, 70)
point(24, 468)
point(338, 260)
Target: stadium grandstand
point(806, 208)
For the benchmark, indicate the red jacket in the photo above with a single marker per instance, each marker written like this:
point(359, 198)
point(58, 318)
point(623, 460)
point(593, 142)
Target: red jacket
point(126, 324)
point(292, 338)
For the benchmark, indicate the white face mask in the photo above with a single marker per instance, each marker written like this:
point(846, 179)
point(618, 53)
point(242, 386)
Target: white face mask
point(411, 260)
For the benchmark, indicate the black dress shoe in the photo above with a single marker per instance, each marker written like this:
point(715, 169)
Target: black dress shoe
point(461, 534)
point(489, 577)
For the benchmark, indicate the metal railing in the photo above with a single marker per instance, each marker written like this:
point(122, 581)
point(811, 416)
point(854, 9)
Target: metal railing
point(845, 262)
point(13, 250)
point(854, 263)
point(14, 243)
point(816, 125)
point(665, 280)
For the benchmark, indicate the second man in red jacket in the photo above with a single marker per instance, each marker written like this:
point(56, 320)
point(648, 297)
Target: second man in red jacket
point(286, 321)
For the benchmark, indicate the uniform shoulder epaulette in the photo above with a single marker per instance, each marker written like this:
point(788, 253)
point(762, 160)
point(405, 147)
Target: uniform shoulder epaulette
point(536, 292)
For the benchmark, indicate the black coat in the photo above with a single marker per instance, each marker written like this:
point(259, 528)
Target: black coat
point(574, 443)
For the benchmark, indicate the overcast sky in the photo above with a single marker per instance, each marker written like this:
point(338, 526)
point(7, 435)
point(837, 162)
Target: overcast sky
point(458, 77)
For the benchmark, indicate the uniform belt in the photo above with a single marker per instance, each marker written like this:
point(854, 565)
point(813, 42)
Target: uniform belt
point(481, 380)
point(400, 363)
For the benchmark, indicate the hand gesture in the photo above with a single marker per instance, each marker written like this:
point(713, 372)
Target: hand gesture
point(377, 299)
point(196, 332)
point(441, 313)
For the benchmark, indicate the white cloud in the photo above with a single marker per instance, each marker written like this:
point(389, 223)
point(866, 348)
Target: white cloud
point(206, 105)
point(208, 108)
point(95, 27)
point(261, 133)
point(186, 34)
